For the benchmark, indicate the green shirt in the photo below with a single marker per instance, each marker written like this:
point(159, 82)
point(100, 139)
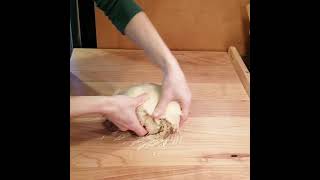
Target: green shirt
point(120, 12)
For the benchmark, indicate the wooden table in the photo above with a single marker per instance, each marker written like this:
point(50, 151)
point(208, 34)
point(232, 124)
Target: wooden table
point(215, 143)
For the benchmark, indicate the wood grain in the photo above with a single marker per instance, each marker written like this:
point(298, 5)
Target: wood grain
point(184, 172)
point(215, 140)
point(248, 10)
point(186, 25)
point(240, 68)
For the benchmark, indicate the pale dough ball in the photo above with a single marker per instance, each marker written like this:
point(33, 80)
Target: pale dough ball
point(169, 121)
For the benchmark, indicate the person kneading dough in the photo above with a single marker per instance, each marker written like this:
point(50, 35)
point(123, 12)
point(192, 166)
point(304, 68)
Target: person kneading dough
point(132, 110)
point(168, 123)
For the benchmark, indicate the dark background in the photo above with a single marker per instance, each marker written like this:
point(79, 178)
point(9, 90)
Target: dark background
point(35, 95)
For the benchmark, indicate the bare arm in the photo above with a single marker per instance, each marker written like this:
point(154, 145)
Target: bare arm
point(141, 31)
point(130, 20)
point(174, 87)
point(84, 105)
point(121, 110)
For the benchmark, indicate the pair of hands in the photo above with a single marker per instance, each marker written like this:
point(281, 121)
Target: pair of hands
point(174, 88)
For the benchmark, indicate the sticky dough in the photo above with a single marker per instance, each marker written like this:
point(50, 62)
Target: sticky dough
point(169, 121)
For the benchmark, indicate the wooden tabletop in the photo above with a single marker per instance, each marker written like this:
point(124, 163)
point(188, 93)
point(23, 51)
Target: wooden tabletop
point(215, 140)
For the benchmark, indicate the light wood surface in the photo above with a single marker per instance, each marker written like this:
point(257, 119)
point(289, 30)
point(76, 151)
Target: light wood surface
point(215, 139)
point(186, 25)
point(240, 68)
point(248, 11)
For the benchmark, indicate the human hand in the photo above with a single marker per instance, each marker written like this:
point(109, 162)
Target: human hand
point(122, 112)
point(174, 88)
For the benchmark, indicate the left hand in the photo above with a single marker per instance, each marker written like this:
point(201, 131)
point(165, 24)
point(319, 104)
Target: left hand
point(174, 88)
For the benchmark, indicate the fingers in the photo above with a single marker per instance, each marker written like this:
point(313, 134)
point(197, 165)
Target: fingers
point(139, 100)
point(185, 106)
point(121, 127)
point(128, 120)
point(161, 107)
point(137, 128)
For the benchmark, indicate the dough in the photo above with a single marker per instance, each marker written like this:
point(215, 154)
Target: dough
point(169, 121)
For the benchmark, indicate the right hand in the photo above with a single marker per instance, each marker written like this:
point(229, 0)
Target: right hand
point(122, 112)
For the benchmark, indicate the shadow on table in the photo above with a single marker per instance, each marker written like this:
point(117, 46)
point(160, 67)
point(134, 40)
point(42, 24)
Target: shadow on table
point(94, 127)
point(79, 88)
point(85, 131)
point(81, 132)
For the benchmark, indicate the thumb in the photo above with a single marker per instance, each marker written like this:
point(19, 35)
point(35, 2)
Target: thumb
point(161, 107)
point(139, 100)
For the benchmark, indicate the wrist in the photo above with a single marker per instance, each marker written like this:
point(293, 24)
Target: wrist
point(84, 105)
point(171, 65)
point(106, 106)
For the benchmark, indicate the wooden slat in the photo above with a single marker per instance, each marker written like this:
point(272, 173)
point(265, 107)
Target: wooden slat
point(215, 140)
point(240, 68)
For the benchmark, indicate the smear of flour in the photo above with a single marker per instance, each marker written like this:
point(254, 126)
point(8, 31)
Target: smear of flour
point(146, 142)
point(120, 135)
point(117, 91)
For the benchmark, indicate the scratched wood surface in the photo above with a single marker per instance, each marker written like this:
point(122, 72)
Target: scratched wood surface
point(215, 140)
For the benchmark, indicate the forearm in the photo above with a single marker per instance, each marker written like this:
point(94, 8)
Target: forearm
point(141, 31)
point(130, 20)
point(84, 105)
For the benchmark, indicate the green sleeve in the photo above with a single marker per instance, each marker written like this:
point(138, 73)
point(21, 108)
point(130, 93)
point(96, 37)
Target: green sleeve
point(120, 12)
